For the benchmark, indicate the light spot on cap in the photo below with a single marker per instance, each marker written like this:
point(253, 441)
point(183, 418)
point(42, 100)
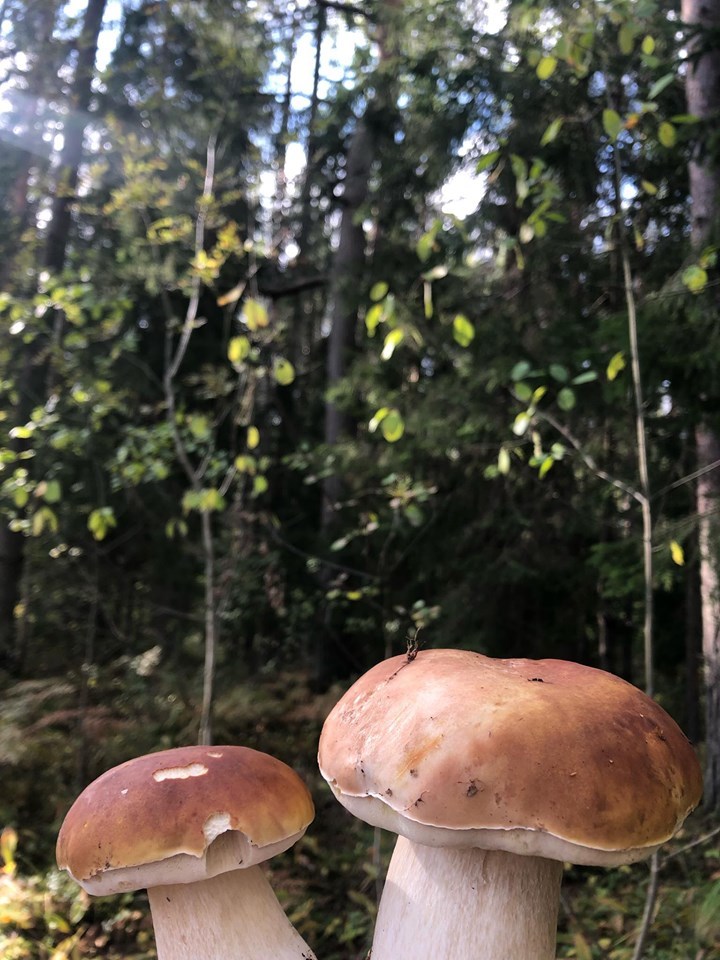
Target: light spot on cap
point(123, 792)
point(180, 773)
point(215, 825)
point(216, 755)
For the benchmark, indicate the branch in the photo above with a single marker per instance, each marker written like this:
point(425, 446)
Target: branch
point(688, 478)
point(688, 846)
point(588, 459)
point(174, 361)
point(346, 8)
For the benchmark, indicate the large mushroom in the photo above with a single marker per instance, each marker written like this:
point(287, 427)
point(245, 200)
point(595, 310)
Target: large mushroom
point(191, 825)
point(494, 772)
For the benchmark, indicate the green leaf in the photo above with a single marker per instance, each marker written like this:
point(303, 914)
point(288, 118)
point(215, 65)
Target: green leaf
point(427, 300)
point(657, 88)
point(52, 492)
point(378, 418)
point(617, 363)
point(559, 372)
point(426, 244)
point(546, 67)
point(22, 433)
point(695, 278)
point(101, 521)
point(545, 466)
point(523, 391)
point(373, 318)
point(521, 423)
point(379, 291)
point(526, 233)
point(551, 131)
point(520, 370)
point(392, 340)
point(199, 427)
point(587, 377)
point(20, 497)
point(666, 134)
point(487, 161)
point(612, 123)
point(238, 349)
point(463, 330)
point(626, 39)
point(503, 461)
point(260, 485)
point(283, 371)
point(437, 273)
point(648, 45)
point(566, 398)
point(42, 518)
point(649, 188)
point(392, 426)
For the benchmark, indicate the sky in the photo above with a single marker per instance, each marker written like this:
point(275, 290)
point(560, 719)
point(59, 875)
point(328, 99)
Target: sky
point(458, 196)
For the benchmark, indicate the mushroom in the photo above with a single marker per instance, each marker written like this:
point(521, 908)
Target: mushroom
point(191, 825)
point(494, 772)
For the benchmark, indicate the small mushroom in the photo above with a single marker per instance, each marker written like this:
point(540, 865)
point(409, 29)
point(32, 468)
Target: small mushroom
point(494, 772)
point(191, 825)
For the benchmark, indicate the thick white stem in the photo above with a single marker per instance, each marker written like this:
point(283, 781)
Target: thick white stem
point(467, 904)
point(234, 916)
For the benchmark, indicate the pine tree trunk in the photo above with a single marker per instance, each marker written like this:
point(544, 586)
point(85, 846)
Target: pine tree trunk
point(346, 282)
point(702, 87)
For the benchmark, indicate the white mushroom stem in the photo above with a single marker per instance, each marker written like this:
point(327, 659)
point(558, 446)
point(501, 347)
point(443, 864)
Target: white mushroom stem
point(467, 904)
point(233, 916)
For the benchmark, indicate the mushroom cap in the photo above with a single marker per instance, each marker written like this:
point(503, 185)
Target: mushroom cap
point(182, 815)
point(539, 757)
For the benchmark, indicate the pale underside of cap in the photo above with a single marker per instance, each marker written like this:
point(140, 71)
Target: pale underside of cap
point(229, 851)
point(524, 842)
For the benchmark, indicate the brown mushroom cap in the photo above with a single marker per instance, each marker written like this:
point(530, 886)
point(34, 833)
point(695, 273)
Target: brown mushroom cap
point(542, 757)
point(169, 817)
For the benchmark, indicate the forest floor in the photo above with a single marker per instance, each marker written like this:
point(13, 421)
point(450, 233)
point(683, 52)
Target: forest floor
point(328, 883)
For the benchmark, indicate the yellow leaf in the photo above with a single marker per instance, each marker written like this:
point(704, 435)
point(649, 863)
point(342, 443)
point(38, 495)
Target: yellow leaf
point(238, 349)
point(254, 315)
point(546, 68)
point(677, 553)
point(253, 438)
point(617, 363)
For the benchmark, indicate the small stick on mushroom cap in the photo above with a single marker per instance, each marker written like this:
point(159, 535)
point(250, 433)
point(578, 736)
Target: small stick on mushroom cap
point(493, 772)
point(191, 825)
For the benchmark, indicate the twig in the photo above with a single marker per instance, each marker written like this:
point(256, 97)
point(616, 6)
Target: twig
point(650, 899)
point(689, 846)
point(588, 460)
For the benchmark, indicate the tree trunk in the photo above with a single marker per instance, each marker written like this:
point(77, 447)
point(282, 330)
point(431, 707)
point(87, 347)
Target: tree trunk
point(33, 374)
point(702, 87)
point(708, 504)
point(346, 280)
point(346, 276)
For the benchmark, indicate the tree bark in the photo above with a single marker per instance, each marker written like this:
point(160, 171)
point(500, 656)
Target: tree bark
point(702, 87)
point(32, 379)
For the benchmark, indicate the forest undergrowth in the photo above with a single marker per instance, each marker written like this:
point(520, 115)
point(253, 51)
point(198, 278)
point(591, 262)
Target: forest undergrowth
point(328, 883)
